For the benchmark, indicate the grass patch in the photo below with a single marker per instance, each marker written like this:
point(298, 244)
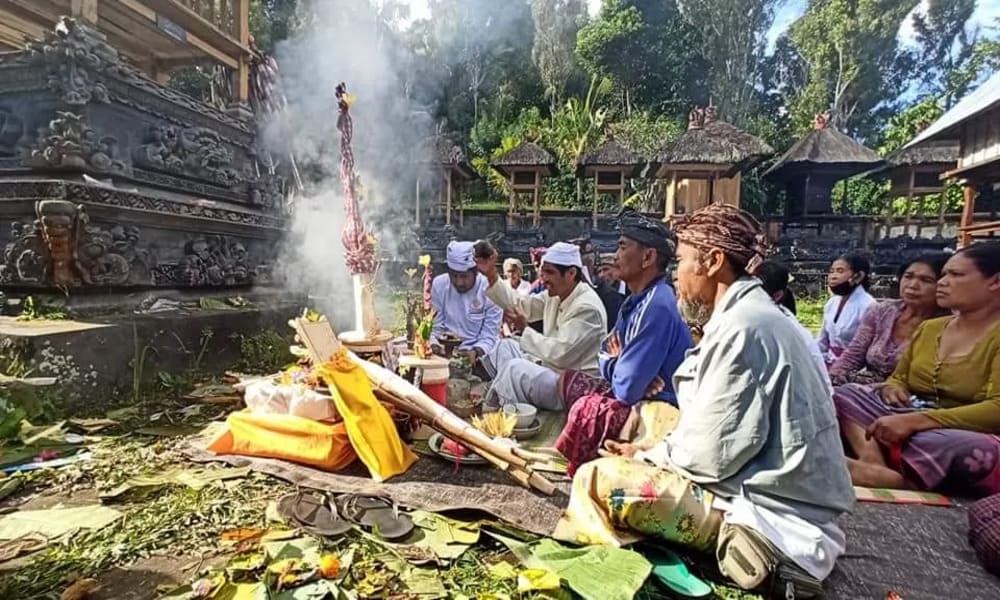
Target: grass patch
point(810, 312)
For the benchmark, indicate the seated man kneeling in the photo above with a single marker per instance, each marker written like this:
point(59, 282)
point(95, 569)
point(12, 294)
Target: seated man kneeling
point(639, 357)
point(461, 306)
point(753, 471)
point(526, 369)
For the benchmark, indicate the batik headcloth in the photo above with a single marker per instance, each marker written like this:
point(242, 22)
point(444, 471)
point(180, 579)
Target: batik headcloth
point(651, 233)
point(734, 231)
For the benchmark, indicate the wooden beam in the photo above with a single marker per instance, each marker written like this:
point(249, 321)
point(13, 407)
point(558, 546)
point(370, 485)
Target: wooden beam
point(447, 217)
point(212, 51)
point(84, 9)
point(596, 194)
point(536, 219)
point(968, 212)
point(243, 71)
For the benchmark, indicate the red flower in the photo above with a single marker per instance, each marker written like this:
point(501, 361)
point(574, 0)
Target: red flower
point(648, 492)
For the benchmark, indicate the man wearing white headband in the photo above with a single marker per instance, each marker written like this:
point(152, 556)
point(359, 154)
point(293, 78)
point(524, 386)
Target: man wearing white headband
point(526, 369)
point(460, 305)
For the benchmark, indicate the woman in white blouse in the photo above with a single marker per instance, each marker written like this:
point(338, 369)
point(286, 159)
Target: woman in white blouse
point(848, 280)
point(513, 270)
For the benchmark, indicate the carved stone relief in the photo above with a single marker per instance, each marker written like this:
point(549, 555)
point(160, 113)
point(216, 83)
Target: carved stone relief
point(76, 58)
point(69, 142)
point(11, 130)
point(208, 261)
point(63, 249)
point(192, 152)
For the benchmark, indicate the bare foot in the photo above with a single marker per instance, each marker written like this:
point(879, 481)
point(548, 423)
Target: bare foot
point(874, 476)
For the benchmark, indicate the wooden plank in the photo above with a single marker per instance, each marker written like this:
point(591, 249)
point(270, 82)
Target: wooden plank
point(84, 9)
point(968, 210)
point(141, 9)
point(199, 26)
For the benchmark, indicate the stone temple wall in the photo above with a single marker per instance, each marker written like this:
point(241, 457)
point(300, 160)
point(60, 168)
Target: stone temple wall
point(109, 181)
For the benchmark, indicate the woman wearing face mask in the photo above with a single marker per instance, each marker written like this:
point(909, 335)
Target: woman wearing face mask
point(848, 280)
point(888, 326)
point(934, 424)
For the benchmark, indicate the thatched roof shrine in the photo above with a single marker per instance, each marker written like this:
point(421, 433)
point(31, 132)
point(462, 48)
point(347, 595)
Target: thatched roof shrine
point(612, 155)
point(824, 150)
point(528, 156)
point(711, 141)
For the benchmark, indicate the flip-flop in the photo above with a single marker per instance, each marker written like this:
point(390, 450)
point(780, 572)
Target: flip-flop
point(314, 512)
point(671, 571)
point(376, 514)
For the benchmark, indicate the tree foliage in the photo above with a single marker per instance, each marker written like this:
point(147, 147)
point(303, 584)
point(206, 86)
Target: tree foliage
point(734, 34)
point(554, 51)
point(855, 67)
point(651, 54)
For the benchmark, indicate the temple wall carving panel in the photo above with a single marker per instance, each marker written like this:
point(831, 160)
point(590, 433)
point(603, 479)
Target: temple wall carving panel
point(109, 180)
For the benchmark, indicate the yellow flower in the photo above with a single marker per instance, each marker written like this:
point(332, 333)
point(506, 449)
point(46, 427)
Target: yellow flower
point(425, 260)
point(371, 239)
point(329, 566)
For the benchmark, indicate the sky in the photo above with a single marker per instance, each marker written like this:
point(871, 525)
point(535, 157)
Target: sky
point(987, 11)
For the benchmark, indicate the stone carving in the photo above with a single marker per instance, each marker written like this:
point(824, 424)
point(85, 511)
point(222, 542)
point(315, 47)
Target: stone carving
point(63, 249)
point(214, 261)
point(23, 256)
point(11, 130)
point(76, 58)
point(58, 224)
point(69, 142)
point(113, 257)
point(191, 152)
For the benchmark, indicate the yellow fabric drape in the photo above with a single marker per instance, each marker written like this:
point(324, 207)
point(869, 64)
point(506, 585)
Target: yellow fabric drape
point(369, 425)
point(286, 437)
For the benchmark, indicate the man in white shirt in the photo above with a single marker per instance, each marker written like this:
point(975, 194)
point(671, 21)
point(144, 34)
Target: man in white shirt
point(526, 369)
point(461, 305)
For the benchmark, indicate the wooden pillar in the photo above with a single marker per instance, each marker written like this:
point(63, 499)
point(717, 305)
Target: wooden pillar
point(536, 219)
point(579, 191)
point(670, 207)
point(243, 71)
point(908, 210)
point(447, 218)
point(417, 211)
point(512, 212)
point(593, 218)
point(461, 203)
point(711, 188)
point(968, 212)
point(941, 207)
point(84, 9)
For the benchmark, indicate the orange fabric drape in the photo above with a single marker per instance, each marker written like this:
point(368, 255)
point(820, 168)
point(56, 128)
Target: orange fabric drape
point(287, 437)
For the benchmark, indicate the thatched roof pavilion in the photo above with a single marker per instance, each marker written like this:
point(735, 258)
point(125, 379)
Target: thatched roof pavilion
point(972, 124)
point(525, 167)
point(704, 164)
point(610, 164)
point(814, 164)
point(450, 168)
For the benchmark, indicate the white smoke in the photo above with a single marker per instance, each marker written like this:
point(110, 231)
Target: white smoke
point(346, 41)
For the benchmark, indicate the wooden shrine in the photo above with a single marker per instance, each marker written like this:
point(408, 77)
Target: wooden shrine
point(610, 165)
point(525, 168)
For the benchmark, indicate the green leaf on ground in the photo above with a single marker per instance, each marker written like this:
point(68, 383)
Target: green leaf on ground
point(196, 479)
point(56, 522)
point(305, 549)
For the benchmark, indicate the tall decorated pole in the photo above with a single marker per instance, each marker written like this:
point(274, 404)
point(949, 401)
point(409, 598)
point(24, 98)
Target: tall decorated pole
point(359, 243)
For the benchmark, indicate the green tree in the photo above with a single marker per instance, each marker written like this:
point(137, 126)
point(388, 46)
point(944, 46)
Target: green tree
point(946, 44)
point(984, 60)
point(649, 51)
point(481, 48)
point(272, 21)
point(557, 23)
point(855, 67)
point(735, 40)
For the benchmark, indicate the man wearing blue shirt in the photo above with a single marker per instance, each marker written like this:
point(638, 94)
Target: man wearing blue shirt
point(645, 347)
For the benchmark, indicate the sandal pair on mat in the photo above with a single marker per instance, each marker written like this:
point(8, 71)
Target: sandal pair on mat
point(320, 514)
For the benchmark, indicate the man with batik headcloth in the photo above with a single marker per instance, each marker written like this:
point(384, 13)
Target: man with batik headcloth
point(526, 369)
point(753, 472)
point(639, 357)
point(461, 305)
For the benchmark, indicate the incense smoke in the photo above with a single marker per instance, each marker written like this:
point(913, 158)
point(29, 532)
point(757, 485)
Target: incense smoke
point(347, 42)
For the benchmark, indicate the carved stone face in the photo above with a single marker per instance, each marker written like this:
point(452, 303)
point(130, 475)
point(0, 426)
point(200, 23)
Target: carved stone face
point(200, 249)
